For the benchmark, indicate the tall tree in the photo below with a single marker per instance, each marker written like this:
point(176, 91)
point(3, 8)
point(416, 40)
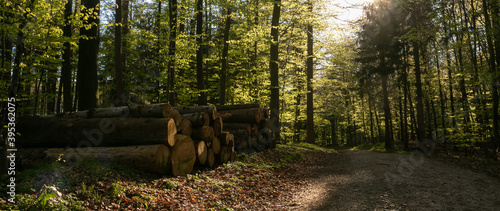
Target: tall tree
point(202, 97)
point(493, 70)
point(171, 51)
point(66, 71)
point(87, 56)
point(119, 85)
point(310, 74)
point(225, 50)
point(273, 66)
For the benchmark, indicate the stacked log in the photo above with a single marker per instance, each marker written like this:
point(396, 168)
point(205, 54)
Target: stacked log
point(156, 138)
point(249, 126)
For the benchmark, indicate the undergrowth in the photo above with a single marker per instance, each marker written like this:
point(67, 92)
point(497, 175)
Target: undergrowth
point(250, 182)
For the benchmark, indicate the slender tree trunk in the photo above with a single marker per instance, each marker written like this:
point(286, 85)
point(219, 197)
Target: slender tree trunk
point(333, 123)
point(494, 80)
point(202, 98)
point(159, 58)
point(296, 135)
point(87, 58)
point(420, 94)
point(119, 86)
point(310, 74)
point(171, 51)
point(273, 66)
point(125, 31)
point(495, 5)
point(372, 129)
point(225, 50)
point(441, 94)
point(389, 140)
point(66, 72)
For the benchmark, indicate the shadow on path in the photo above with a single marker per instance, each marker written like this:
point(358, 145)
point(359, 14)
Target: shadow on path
point(364, 180)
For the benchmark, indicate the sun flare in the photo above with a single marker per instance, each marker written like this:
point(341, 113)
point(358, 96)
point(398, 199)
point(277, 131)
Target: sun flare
point(350, 10)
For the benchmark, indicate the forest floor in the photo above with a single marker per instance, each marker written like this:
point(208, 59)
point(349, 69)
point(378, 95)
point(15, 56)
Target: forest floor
point(368, 180)
point(290, 177)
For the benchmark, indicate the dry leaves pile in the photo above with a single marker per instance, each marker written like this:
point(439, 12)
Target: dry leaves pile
point(254, 182)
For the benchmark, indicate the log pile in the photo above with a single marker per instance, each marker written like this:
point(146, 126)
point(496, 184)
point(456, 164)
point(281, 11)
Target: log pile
point(249, 124)
point(157, 138)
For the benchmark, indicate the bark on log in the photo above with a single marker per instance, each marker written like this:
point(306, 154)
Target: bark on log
point(151, 158)
point(238, 126)
point(199, 119)
point(63, 132)
point(236, 107)
point(210, 158)
point(132, 111)
point(201, 152)
point(155, 111)
point(183, 155)
point(211, 110)
point(225, 116)
point(205, 133)
point(251, 115)
point(113, 112)
point(218, 126)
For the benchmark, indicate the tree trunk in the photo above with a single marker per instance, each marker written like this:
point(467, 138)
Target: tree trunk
point(183, 155)
point(87, 57)
point(151, 158)
point(202, 98)
point(310, 74)
point(171, 51)
point(66, 71)
point(494, 81)
point(420, 98)
point(119, 86)
point(125, 31)
point(225, 51)
point(60, 132)
point(274, 68)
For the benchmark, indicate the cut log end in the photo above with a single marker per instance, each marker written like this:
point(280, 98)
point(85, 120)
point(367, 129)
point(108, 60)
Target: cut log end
point(171, 132)
point(201, 152)
point(163, 160)
point(183, 155)
point(210, 158)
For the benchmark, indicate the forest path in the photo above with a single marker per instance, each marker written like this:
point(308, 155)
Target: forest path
point(365, 180)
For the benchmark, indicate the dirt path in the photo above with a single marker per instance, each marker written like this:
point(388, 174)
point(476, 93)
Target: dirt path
point(364, 180)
